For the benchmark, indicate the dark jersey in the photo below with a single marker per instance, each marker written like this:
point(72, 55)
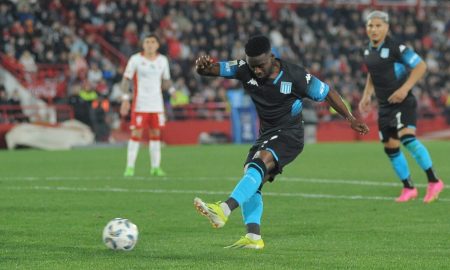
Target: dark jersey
point(278, 101)
point(389, 66)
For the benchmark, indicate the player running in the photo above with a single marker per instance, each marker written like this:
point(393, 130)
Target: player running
point(388, 62)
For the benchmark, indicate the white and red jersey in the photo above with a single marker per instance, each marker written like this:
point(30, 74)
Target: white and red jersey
point(147, 77)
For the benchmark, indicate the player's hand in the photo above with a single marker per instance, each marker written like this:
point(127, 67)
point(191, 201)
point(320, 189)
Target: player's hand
point(203, 62)
point(359, 126)
point(398, 96)
point(124, 107)
point(364, 105)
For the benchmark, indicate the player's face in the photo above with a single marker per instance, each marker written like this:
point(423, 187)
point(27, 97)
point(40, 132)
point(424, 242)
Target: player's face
point(261, 65)
point(376, 30)
point(150, 45)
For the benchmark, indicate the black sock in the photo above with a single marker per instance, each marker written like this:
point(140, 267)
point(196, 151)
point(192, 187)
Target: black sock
point(253, 228)
point(232, 203)
point(408, 183)
point(431, 176)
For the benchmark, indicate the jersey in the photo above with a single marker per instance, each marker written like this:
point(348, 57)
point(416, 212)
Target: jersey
point(147, 78)
point(278, 101)
point(389, 66)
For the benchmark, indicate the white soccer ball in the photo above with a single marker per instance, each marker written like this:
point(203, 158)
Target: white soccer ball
point(120, 234)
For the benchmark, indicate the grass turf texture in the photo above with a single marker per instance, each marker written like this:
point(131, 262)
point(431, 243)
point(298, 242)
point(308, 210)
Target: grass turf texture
point(332, 208)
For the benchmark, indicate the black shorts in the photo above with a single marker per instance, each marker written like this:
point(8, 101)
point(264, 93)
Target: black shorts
point(391, 119)
point(284, 144)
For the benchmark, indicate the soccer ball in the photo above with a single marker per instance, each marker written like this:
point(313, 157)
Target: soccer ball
point(120, 234)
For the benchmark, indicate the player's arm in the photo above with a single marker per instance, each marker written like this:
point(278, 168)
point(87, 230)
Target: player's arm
point(369, 89)
point(335, 100)
point(418, 66)
point(126, 96)
point(416, 73)
point(205, 66)
point(320, 91)
point(167, 85)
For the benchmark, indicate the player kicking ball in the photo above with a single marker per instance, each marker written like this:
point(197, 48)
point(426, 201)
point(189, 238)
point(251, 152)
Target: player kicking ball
point(277, 88)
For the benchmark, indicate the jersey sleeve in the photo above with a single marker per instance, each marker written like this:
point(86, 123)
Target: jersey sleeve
point(408, 56)
point(130, 69)
point(312, 87)
point(166, 70)
point(230, 69)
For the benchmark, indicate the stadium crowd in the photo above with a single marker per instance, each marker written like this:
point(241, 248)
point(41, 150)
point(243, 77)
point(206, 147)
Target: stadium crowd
point(328, 40)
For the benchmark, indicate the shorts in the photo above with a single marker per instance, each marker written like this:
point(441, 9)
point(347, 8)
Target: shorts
point(284, 144)
point(141, 120)
point(391, 119)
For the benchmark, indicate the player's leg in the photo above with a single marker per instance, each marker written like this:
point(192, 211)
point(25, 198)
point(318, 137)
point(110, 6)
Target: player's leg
point(423, 158)
point(252, 179)
point(388, 124)
point(284, 147)
point(156, 122)
point(252, 211)
point(401, 168)
point(133, 142)
point(406, 125)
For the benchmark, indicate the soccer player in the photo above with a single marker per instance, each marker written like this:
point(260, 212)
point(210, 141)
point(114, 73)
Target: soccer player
point(277, 88)
point(149, 71)
point(388, 62)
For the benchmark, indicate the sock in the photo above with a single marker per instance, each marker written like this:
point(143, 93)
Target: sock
point(225, 208)
point(418, 151)
point(250, 182)
point(132, 152)
point(400, 165)
point(431, 175)
point(231, 203)
point(155, 153)
point(408, 183)
point(252, 209)
point(253, 236)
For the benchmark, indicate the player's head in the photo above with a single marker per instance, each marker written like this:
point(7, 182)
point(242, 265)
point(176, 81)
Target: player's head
point(150, 44)
point(259, 56)
point(377, 26)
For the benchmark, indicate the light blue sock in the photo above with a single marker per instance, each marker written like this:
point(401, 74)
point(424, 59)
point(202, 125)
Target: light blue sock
point(399, 164)
point(420, 153)
point(252, 209)
point(248, 185)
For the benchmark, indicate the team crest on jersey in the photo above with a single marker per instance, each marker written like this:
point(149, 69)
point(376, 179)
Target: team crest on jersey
point(384, 53)
point(285, 87)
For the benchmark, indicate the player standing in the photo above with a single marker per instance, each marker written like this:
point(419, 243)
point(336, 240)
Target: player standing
point(388, 62)
point(277, 88)
point(150, 73)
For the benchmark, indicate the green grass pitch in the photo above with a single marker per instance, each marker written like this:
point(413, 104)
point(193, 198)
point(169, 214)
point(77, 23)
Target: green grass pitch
point(332, 208)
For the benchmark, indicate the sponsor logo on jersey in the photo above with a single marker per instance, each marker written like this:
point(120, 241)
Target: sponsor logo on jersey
point(402, 48)
point(308, 78)
point(384, 53)
point(241, 63)
point(285, 87)
point(253, 82)
point(366, 52)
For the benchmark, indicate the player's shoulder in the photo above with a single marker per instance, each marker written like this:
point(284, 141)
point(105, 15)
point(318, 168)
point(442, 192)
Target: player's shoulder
point(292, 68)
point(162, 57)
point(135, 57)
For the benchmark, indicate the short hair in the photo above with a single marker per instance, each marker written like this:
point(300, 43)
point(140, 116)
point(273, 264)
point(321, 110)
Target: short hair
point(257, 45)
point(151, 36)
point(378, 14)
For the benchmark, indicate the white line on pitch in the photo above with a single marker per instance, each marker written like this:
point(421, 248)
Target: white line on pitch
point(196, 192)
point(227, 178)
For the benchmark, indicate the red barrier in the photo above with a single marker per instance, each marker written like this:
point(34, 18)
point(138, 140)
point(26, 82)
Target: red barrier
point(188, 132)
point(341, 131)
